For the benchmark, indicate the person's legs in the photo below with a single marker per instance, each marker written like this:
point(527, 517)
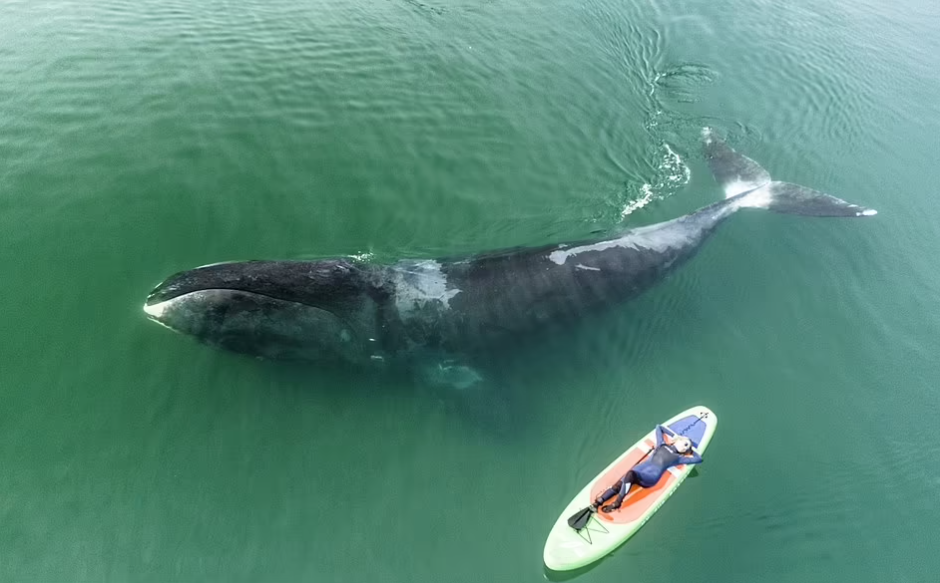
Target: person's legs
point(625, 483)
point(612, 491)
point(608, 494)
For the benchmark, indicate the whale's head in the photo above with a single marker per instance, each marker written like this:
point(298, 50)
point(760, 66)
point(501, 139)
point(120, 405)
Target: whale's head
point(309, 310)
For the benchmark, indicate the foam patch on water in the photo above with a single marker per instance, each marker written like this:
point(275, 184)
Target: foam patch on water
point(646, 197)
point(671, 174)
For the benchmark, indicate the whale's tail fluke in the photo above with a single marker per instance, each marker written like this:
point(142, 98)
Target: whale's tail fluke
point(746, 181)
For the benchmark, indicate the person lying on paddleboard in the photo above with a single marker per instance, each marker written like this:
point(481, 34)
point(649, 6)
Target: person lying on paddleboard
point(648, 473)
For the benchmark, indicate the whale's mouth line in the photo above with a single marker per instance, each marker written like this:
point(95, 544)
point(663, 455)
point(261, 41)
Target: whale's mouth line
point(155, 311)
point(149, 306)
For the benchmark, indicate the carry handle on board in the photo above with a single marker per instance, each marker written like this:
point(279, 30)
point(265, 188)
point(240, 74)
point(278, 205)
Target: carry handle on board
point(580, 519)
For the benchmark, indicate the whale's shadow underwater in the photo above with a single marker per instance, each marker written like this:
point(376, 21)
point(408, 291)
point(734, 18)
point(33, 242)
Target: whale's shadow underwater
point(438, 317)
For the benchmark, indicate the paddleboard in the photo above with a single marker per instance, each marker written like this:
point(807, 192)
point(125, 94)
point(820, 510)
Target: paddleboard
point(568, 549)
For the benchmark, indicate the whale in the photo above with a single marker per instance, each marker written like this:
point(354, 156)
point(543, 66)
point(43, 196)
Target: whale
point(436, 314)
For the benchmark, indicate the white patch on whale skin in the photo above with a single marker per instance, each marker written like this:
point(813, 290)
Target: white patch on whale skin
point(759, 198)
point(421, 282)
point(156, 310)
point(737, 187)
point(214, 264)
point(867, 213)
point(585, 267)
point(659, 238)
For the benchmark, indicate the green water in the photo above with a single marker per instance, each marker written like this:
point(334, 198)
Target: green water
point(141, 138)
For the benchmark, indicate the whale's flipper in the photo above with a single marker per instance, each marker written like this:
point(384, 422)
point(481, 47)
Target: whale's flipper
point(746, 181)
point(449, 373)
